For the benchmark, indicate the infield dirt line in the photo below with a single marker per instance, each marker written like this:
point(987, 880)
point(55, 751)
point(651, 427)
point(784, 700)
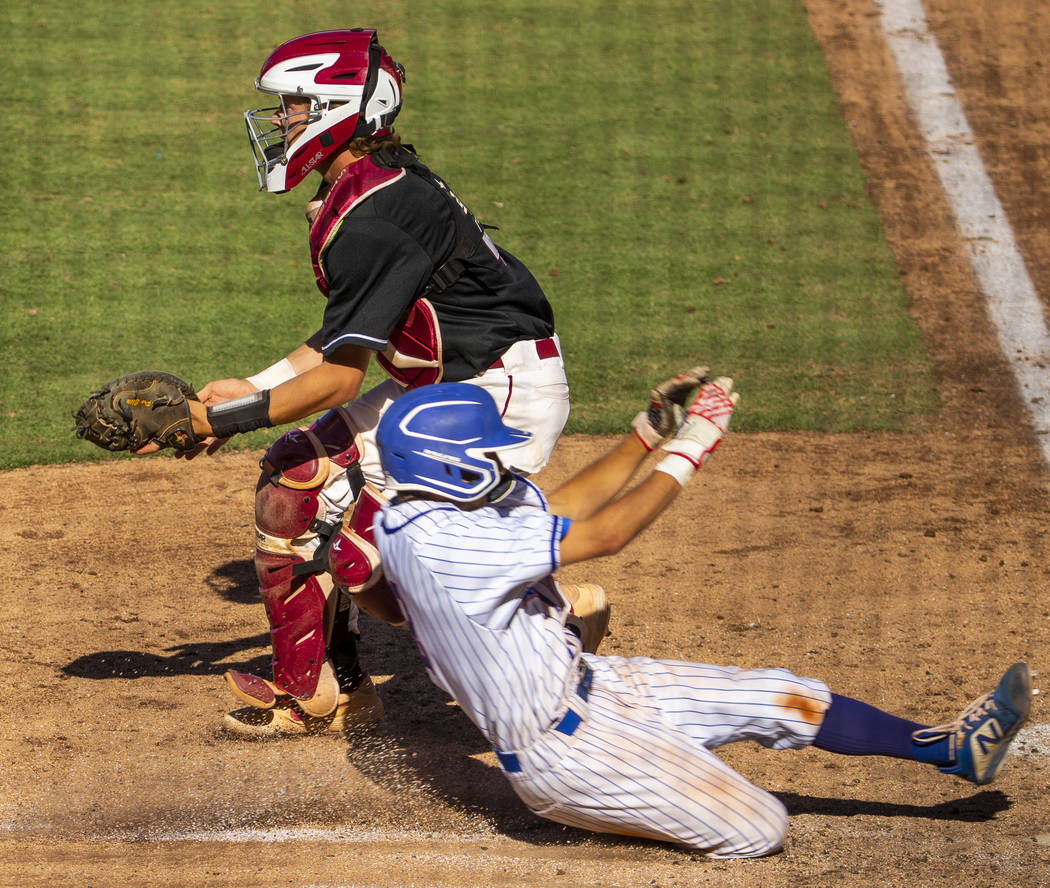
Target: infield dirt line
point(1000, 271)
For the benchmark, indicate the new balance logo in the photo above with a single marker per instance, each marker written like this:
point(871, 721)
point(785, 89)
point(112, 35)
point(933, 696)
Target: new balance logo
point(987, 737)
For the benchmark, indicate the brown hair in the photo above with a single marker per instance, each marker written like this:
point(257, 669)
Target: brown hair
point(364, 145)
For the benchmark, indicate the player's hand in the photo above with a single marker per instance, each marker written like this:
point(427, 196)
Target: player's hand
point(715, 402)
point(221, 390)
point(667, 407)
point(704, 426)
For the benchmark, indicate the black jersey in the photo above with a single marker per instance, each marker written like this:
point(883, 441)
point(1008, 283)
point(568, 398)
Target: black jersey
point(385, 252)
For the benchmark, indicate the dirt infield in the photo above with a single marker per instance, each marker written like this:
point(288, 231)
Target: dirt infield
point(908, 571)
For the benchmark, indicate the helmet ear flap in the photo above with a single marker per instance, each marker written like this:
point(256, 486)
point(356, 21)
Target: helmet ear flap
point(381, 98)
point(375, 52)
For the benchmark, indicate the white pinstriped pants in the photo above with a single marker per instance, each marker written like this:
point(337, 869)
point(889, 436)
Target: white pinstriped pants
point(640, 764)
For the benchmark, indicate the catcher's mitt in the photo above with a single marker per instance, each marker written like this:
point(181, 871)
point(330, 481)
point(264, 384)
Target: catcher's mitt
point(134, 410)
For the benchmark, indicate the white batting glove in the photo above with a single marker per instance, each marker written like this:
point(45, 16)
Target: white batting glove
point(700, 434)
point(667, 407)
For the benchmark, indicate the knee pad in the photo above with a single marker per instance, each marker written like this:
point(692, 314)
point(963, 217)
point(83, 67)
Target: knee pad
point(300, 610)
point(295, 469)
point(353, 559)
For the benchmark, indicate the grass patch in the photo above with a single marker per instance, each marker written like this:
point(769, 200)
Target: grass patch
point(676, 174)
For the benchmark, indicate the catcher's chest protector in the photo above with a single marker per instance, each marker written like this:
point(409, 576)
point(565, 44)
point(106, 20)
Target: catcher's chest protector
point(358, 181)
point(413, 356)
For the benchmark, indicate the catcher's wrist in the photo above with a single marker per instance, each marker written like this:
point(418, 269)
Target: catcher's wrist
point(273, 375)
point(240, 415)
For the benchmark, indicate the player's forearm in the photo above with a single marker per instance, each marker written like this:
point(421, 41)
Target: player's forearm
point(298, 361)
point(327, 385)
point(586, 492)
point(320, 388)
point(615, 525)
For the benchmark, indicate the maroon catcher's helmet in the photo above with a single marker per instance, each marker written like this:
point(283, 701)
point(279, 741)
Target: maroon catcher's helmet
point(354, 89)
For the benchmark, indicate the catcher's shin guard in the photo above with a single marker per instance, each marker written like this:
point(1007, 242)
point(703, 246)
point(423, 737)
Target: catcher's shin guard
point(300, 609)
point(306, 473)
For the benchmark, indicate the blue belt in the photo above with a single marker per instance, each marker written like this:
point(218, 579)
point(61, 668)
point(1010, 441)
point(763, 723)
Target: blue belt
point(567, 725)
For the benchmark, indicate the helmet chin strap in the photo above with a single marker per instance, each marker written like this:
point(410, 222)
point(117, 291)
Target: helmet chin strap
point(497, 493)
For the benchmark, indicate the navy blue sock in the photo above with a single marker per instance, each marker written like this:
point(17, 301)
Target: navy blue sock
point(851, 727)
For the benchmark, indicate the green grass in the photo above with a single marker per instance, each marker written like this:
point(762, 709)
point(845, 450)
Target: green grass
point(676, 174)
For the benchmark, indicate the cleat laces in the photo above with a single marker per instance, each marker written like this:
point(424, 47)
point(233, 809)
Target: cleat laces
point(956, 731)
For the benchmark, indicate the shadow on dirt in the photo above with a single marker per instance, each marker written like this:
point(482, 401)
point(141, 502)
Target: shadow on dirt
point(193, 658)
point(978, 808)
point(236, 582)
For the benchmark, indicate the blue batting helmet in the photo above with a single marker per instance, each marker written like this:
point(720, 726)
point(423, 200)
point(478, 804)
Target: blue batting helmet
point(442, 439)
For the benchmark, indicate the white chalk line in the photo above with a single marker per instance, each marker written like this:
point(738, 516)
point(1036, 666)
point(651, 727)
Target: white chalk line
point(1012, 301)
point(1032, 741)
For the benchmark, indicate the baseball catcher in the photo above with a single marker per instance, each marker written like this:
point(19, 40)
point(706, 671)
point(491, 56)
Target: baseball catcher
point(409, 278)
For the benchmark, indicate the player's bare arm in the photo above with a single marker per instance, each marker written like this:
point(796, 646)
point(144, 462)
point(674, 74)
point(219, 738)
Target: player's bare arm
point(619, 522)
point(333, 381)
point(603, 525)
point(599, 483)
point(301, 359)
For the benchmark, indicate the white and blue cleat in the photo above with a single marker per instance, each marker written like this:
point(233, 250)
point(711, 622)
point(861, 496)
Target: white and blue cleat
point(979, 738)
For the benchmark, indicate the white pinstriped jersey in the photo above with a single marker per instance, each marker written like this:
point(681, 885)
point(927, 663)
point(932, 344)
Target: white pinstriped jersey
point(627, 749)
point(476, 590)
